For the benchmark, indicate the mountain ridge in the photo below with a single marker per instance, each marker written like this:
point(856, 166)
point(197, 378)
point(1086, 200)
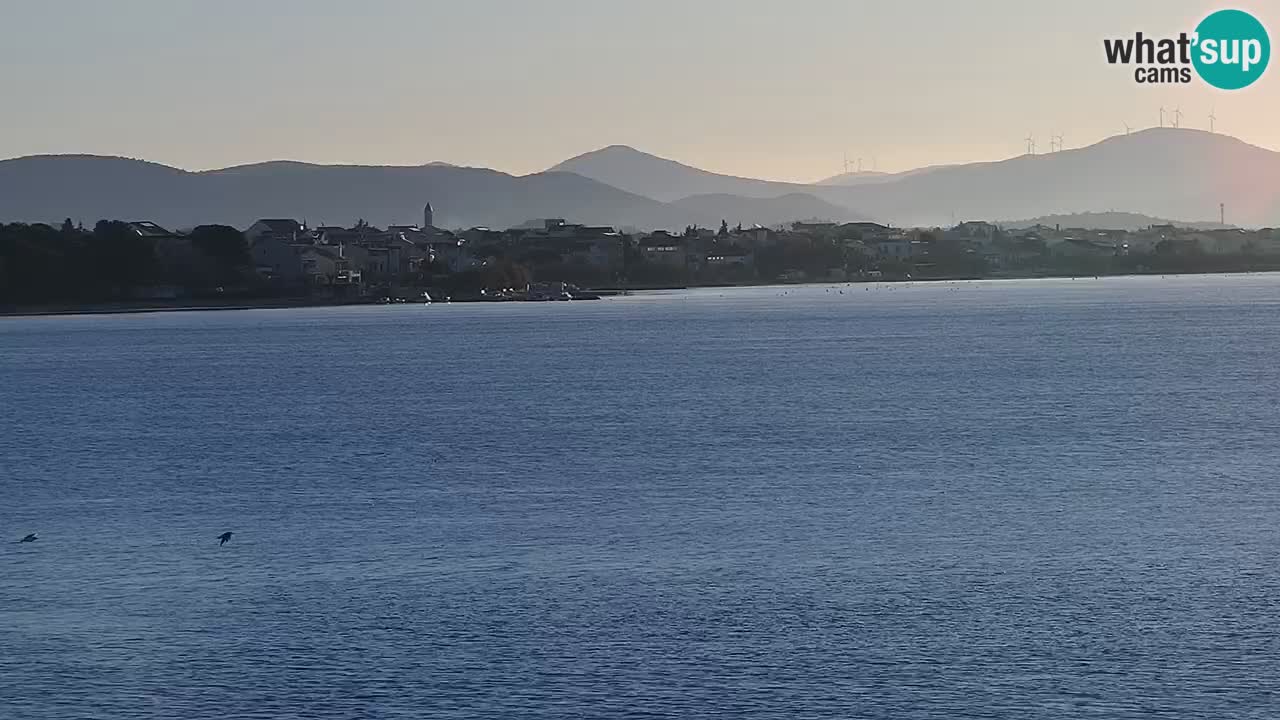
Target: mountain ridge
point(1160, 173)
point(1109, 220)
point(642, 173)
point(48, 188)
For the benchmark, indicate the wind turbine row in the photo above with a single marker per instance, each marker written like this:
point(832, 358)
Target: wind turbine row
point(850, 164)
point(1055, 143)
point(1177, 116)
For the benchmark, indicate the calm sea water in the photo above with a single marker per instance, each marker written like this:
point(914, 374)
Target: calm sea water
point(1041, 499)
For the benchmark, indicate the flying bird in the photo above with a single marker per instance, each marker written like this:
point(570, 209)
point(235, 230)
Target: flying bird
point(30, 538)
point(223, 538)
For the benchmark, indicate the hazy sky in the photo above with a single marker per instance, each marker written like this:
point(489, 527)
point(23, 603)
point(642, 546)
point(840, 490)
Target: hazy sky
point(752, 87)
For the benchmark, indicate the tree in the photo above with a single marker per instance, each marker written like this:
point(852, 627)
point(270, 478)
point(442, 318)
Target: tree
point(121, 258)
point(226, 250)
point(506, 274)
point(221, 242)
point(724, 229)
point(33, 263)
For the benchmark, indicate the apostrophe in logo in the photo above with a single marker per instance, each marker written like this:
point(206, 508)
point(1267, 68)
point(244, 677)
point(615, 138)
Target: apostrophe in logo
point(1229, 50)
point(1232, 50)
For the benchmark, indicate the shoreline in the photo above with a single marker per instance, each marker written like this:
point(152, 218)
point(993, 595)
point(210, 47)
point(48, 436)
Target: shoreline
point(143, 307)
point(297, 303)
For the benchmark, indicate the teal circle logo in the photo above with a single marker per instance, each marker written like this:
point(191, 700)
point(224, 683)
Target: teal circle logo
point(1232, 49)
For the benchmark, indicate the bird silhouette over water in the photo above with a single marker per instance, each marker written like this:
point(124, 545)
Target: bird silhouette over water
point(223, 538)
point(30, 538)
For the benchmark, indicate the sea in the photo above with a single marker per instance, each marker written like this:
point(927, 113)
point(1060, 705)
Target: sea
point(1019, 499)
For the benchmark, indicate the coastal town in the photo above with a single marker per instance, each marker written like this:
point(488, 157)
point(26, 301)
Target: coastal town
point(555, 259)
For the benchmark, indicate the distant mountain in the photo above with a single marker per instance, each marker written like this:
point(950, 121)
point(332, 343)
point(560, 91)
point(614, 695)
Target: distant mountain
point(1161, 173)
point(661, 179)
point(857, 177)
point(89, 188)
point(1158, 172)
point(869, 177)
point(767, 212)
point(1109, 221)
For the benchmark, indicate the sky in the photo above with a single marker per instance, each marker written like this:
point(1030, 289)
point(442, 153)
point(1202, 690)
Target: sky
point(759, 88)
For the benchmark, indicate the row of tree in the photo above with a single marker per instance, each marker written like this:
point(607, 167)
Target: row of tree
point(41, 264)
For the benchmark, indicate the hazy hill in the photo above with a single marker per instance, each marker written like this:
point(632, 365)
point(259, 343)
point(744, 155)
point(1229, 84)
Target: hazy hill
point(1109, 221)
point(869, 177)
point(1160, 173)
point(1157, 172)
point(649, 175)
point(87, 188)
point(857, 177)
point(764, 211)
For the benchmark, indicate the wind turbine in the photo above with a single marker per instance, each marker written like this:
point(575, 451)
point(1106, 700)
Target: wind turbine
point(1212, 119)
point(1161, 116)
point(1127, 129)
point(1177, 116)
point(1031, 144)
point(1057, 139)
